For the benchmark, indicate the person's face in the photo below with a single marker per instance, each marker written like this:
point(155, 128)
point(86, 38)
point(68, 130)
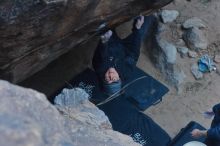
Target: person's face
point(111, 75)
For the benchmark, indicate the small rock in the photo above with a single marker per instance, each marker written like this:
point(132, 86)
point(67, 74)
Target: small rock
point(195, 71)
point(169, 15)
point(195, 39)
point(168, 49)
point(194, 22)
point(73, 97)
point(180, 42)
point(192, 54)
point(183, 51)
point(217, 58)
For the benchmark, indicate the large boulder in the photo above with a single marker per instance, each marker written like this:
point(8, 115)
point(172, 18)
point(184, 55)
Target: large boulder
point(36, 32)
point(27, 118)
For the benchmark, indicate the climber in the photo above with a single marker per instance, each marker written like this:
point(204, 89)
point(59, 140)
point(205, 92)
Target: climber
point(213, 134)
point(115, 58)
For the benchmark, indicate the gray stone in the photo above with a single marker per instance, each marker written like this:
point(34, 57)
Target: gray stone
point(195, 39)
point(71, 97)
point(194, 22)
point(169, 15)
point(217, 58)
point(164, 55)
point(180, 42)
point(192, 54)
point(76, 100)
point(168, 49)
point(195, 71)
point(183, 51)
point(27, 118)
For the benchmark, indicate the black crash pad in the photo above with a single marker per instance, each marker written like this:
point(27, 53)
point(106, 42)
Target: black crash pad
point(146, 91)
point(143, 93)
point(123, 115)
point(126, 119)
point(184, 135)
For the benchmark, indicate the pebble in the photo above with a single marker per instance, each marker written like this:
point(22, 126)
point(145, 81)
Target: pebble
point(192, 54)
point(217, 58)
point(183, 51)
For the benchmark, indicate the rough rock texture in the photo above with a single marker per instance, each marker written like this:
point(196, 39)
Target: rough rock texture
point(168, 49)
point(194, 22)
point(164, 55)
point(195, 71)
point(36, 32)
point(27, 118)
point(183, 51)
point(169, 15)
point(76, 103)
point(195, 39)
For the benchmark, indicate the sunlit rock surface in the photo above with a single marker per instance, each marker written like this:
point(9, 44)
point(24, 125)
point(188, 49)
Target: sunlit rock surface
point(28, 119)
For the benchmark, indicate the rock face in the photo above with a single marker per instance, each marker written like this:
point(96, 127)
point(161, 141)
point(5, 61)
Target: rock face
point(36, 32)
point(27, 118)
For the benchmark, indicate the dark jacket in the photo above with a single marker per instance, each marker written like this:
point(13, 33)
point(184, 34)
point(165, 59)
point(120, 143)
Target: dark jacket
point(213, 135)
point(122, 54)
point(117, 54)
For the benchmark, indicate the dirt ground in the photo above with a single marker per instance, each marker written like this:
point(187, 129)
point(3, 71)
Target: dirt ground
point(178, 109)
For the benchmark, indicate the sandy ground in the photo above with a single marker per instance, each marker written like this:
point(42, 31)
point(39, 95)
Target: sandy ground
point(177, 110)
